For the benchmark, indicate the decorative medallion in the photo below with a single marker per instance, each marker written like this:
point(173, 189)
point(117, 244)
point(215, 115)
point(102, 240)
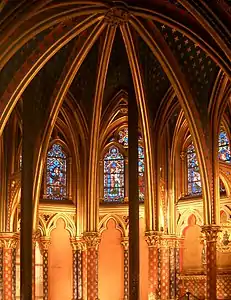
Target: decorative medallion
point(224, 238)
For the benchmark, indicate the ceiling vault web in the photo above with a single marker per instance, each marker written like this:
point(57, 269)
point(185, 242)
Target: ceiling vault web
point(70, 70)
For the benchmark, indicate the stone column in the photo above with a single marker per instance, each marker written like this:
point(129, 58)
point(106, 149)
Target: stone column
point(125, 244)
point(179, 245)
point(152, 239)
point(211, 232)
point(44, 246)
point(92, 240)
point(172, 268)
point(164, 266)
point(78, 247)
point(8, 242)
point(133, 196)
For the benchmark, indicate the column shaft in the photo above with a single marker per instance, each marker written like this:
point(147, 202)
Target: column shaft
point(44, 246)
point(8, 268)
point(211, 232)
point(26, 201)
point(164, 258)
point(133, 192)
point(1, 273)
point(92, 241)
point(78, 248)
point(152, 240)
point(125, 245)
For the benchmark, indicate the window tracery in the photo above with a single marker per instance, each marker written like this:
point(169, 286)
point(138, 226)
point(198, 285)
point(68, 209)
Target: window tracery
point(56, 173)
point(114, 182)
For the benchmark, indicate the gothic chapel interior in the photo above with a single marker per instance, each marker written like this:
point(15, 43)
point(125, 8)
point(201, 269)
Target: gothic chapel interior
point(115, 162)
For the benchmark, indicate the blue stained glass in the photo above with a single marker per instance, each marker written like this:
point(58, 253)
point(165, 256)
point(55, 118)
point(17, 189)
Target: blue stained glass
point(224, 147)
point(194, 179)
point(113, 175)
point(123, 137)
point(56, 173)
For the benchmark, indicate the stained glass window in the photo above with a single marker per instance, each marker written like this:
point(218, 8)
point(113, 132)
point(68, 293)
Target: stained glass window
point(123, 137)
point(222, 186)
point(224, 147)
point(141, 172)
point(113, 175)
point(56, 183)
point(194, 179)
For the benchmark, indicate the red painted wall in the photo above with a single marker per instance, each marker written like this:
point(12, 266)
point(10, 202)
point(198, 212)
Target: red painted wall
point(111, 264)
point(60, 264)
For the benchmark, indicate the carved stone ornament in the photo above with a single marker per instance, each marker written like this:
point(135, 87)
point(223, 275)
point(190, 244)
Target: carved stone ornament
point(92, 239)
point(211, 232)
point(152, 239)
point(125, 243)
point(9, 240)
point(116, 16)
point(44, 243)
point(77, 244)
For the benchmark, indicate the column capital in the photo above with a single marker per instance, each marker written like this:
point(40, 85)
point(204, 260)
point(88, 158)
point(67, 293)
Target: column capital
point(211, 232)
point(77, 243)
point(44, 242)
point(91, 239)
point(125, 242)
point(9, 240)
point(153, 238)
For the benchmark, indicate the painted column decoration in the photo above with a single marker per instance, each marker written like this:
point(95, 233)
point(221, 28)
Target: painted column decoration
point(92, 240)
point(78, 247)
point(172, 267)
point(125, 244)
point(164, 264)
point(179, 244)
point(44, 244)
point(211, 233)
point(152, 240)
point(8, 242)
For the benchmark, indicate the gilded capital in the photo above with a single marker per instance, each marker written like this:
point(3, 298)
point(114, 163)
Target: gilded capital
point(117, 16)
point(44, 243)
point(152, 238)
point(9, 240)
point(91, 239)
point(125, 243)
point(77, 244)
point(211, 232)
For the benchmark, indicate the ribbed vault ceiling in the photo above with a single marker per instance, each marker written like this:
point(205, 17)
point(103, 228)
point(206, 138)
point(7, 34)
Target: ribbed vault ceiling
point(75, 32)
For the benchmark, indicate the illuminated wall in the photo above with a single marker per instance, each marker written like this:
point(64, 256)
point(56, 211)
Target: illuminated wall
point(60, 264)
